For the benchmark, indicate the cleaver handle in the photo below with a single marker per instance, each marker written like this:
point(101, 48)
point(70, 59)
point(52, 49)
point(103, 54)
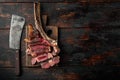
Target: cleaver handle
point(17, 62)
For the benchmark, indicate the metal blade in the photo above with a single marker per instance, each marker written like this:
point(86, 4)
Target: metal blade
point(17, 23)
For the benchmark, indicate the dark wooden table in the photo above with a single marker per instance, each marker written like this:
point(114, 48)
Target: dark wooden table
point(89, 38)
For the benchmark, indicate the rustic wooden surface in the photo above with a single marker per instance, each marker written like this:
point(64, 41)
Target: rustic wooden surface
point(89, 38)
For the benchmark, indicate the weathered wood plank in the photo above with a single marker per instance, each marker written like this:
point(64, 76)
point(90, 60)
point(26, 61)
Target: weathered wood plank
point(7, 9)
point(64, 73)
point(65, 14)
point(7, 56)
point(77, 15)
point(78, 47)
point(27, 1)
point(87, 53)
point(89, 46)
point(83, 1)
point(41, 74)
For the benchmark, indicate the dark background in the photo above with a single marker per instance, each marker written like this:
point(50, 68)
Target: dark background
point(89, 38)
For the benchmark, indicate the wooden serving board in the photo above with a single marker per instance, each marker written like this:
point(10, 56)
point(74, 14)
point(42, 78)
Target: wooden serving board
point(54, 35)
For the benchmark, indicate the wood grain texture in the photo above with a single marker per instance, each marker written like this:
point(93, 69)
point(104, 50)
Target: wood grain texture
point(52, 74)
point(66, 73)
point(81, 46)
point(7, 56)
point(89, 38)
point(77, 45)
point(82, 1)
point(65, 15)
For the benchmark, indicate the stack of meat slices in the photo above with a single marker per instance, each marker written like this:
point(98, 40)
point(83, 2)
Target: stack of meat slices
point(40, 49)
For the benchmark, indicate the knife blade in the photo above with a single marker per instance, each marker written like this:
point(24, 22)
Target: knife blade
point(16, 27)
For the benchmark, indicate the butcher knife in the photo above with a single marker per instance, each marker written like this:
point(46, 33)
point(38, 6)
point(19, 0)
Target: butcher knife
point(16, 27)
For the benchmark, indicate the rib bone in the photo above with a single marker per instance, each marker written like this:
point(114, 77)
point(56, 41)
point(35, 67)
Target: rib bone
point(38, 25)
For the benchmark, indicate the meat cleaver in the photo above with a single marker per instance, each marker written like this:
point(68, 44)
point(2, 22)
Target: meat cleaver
point(16, 27)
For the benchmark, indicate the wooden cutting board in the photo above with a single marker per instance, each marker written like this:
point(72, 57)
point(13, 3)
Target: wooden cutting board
point(52, 32)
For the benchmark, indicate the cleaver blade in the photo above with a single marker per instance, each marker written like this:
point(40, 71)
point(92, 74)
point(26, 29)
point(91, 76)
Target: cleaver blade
point(17, 23)
point(16, 27)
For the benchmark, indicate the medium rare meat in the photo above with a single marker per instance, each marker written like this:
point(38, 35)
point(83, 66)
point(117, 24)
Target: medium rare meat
point(40, 47)
point(43, 49)
point(45, 65)
point(50, 62)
